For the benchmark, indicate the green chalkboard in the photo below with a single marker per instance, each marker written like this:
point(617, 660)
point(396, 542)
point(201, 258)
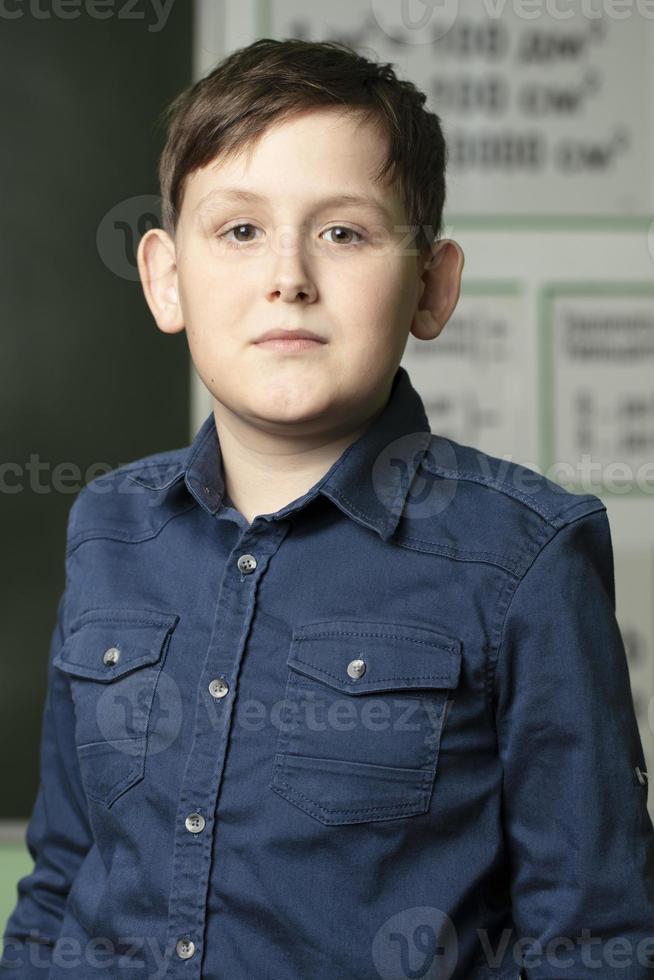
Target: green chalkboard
point(86, 378)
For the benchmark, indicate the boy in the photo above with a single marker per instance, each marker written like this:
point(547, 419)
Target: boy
point(330, 697)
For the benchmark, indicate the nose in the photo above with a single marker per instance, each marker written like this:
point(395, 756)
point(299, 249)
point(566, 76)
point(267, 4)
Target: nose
point(291, 275)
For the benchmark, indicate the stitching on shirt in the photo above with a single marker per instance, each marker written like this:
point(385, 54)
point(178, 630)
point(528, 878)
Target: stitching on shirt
point(118, 534)
point(394, 677)
point(461, 554)
point(502, 486)
point(366, 809)
point(121, 619)
point(141, 464)
point(299, 638)
point(492, 483)
point(353, 508)
point(505, 601)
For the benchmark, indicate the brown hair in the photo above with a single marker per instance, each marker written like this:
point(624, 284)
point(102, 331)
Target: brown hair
point(271, 80)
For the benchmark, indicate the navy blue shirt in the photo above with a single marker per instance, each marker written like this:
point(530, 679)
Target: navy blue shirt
point(384, 732)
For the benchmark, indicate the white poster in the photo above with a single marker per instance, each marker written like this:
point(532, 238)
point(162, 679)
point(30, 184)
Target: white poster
point(546, 106)
point(462, 374)
point(598, 386)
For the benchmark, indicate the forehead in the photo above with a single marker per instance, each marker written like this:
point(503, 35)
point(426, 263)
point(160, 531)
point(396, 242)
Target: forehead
point(315, 155)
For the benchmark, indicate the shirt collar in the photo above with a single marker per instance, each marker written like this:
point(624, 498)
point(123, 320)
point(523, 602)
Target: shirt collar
point(369, 481)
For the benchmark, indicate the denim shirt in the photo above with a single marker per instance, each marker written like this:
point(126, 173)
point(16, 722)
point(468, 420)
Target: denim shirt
point(384, 732)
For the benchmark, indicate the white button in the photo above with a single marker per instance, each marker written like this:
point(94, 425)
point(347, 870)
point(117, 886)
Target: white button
point(356, 668)
point(218, 688)
point(111, 656)
point(185, 948)
point(195, 823)
point(247, 564)
point(642, 775)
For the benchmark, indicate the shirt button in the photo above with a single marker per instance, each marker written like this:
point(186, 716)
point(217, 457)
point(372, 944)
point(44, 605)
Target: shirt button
point(641, 775)
point(218, 688)
point(247, 564)
point(185, 948)
point(111, 656)
point(195, 823)
point(356, 668)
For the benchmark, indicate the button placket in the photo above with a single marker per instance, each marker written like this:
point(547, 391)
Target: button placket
point(193, 867)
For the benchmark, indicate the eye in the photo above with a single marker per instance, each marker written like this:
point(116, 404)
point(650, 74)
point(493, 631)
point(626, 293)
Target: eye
point(348, 231)
point(237, 228)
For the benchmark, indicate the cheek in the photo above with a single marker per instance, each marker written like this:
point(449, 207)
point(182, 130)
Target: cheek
point(380, 299)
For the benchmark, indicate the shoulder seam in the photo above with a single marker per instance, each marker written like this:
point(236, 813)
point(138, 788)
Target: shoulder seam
point(170, 456)
point(552, 517)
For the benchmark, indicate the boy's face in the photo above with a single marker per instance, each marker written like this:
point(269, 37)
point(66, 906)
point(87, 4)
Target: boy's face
point(243, 266)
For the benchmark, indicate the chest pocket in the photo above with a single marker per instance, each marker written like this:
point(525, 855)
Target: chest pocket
point(362, 719)
point(113, 658)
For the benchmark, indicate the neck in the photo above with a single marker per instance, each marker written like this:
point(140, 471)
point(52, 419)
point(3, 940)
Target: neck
point(264, 470)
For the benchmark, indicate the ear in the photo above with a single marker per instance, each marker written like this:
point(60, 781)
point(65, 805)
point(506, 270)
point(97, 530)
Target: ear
point(157, 267)
point(440, 274)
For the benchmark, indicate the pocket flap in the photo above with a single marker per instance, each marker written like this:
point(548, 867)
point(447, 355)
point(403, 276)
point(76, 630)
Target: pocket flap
point(134, 637)
point(395, 657)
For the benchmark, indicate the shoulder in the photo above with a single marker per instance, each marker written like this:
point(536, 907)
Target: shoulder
point(476, 506)
point(124, 503)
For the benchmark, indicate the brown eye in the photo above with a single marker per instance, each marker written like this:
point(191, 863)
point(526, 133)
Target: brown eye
point(238, 229)
point(344, 230)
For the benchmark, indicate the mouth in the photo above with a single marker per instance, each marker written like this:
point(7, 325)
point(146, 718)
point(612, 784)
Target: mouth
point(290, 345)
point(290, 341)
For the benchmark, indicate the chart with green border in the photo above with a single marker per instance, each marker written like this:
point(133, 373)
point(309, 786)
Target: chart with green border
point(627, 385)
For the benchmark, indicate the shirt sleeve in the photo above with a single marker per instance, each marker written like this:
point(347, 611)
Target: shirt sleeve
point(58, 834)
point(579, 836)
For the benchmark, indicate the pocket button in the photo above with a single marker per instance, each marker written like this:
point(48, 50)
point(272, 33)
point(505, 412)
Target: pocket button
point(111, 656)
point(356, 668)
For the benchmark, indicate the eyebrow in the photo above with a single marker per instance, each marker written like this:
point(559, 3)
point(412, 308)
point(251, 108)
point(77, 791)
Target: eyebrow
point(231, 194)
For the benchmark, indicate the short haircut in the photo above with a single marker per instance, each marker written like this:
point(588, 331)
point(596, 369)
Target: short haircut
point(269, 81)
